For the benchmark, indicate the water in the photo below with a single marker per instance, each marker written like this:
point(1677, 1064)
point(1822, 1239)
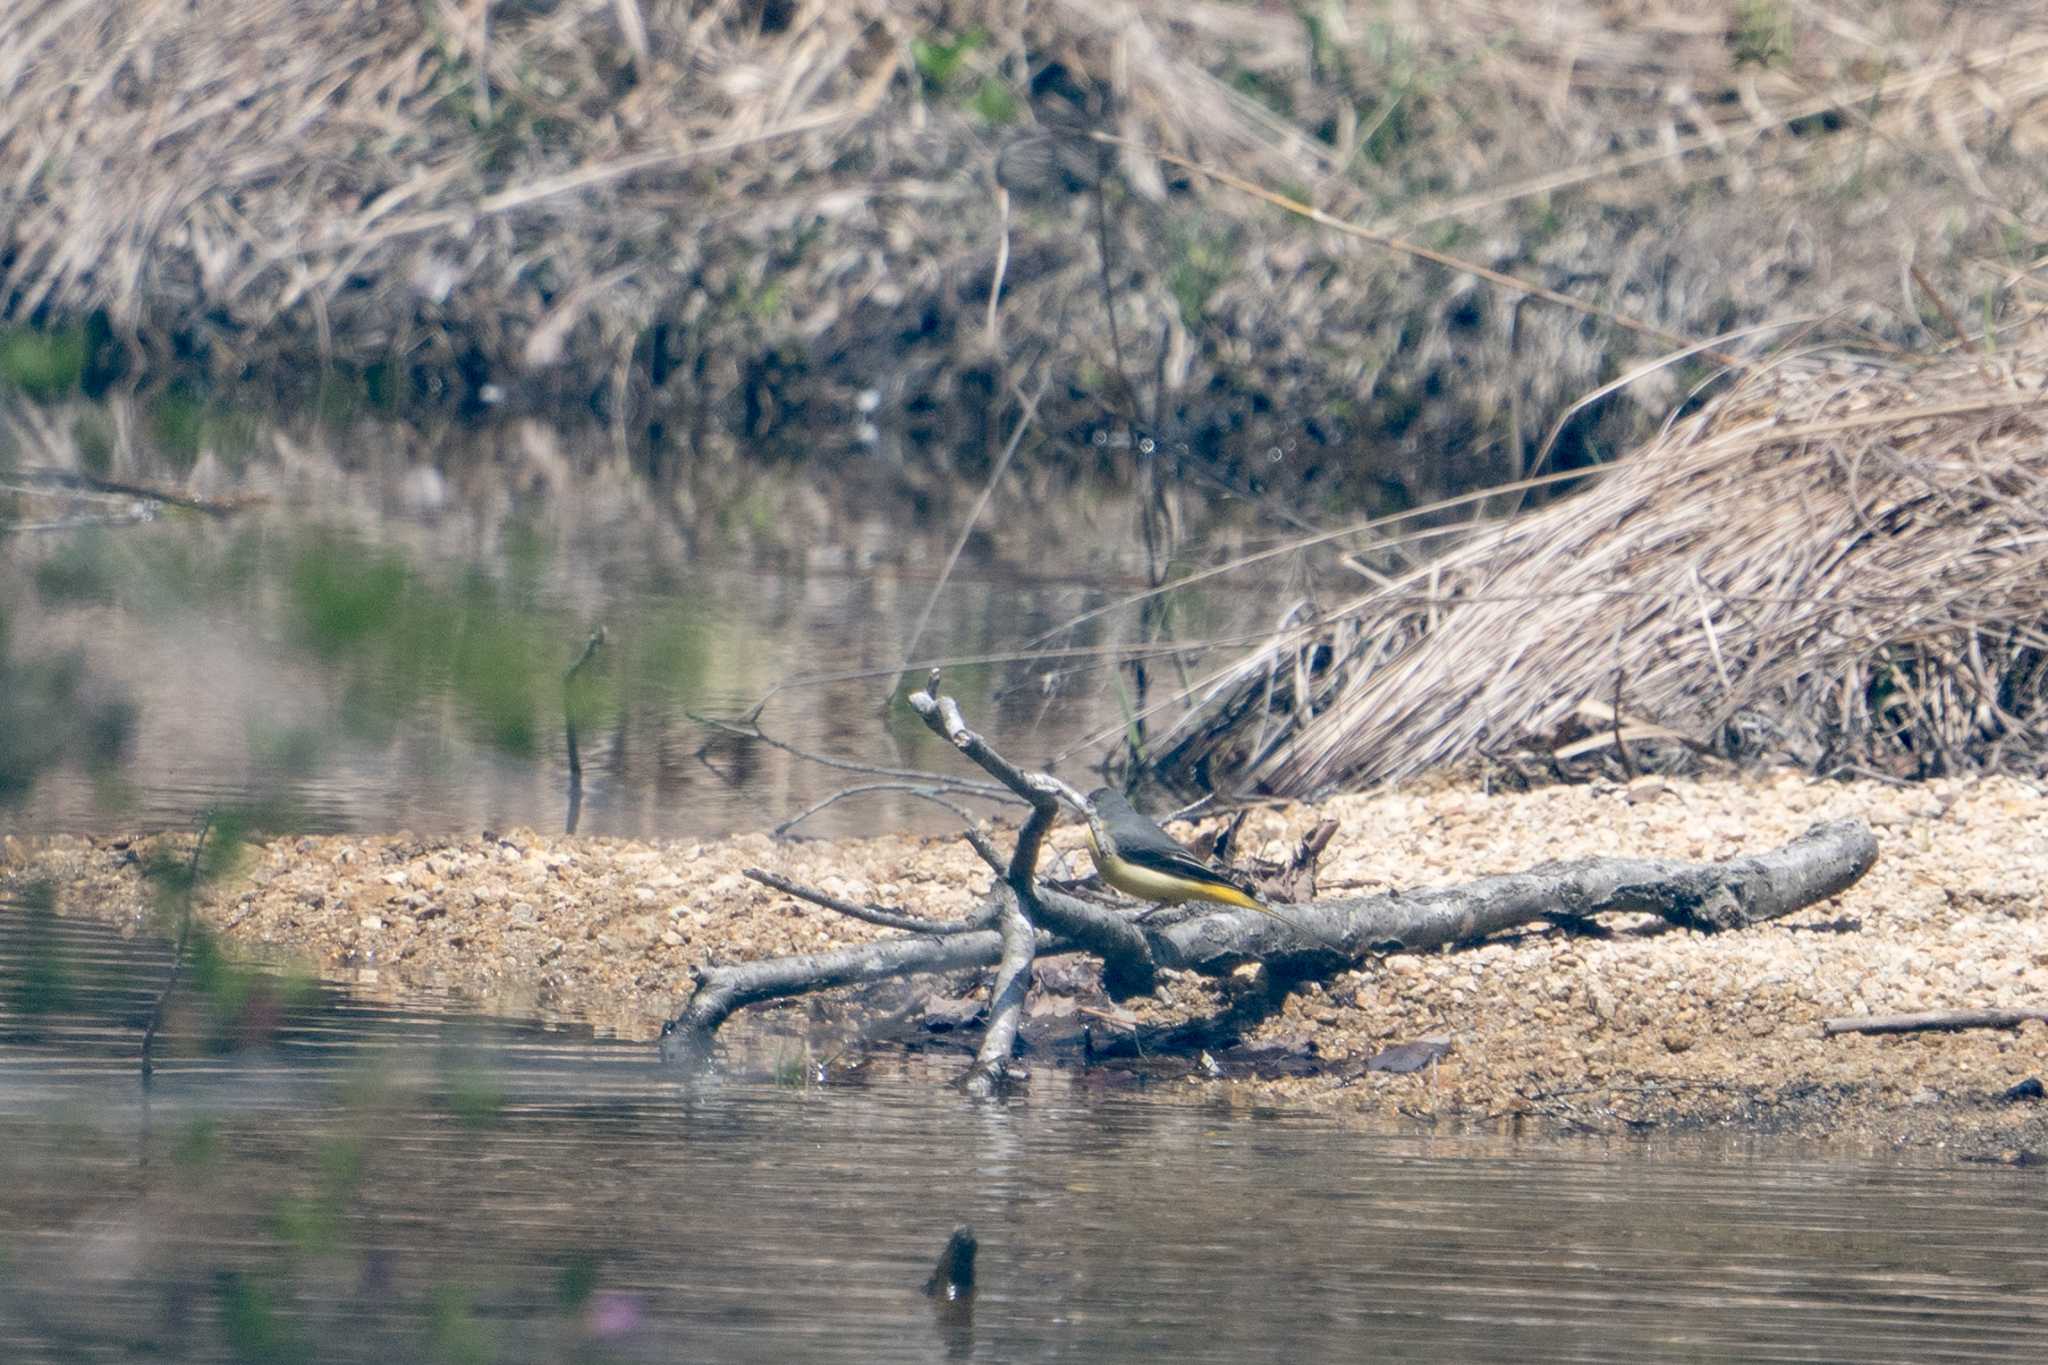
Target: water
point(379, 642)
point(395, 1181)
point(377, 639)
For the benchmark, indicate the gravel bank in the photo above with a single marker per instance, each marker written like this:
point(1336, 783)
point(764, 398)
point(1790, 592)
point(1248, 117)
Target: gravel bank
point(1647, 1026)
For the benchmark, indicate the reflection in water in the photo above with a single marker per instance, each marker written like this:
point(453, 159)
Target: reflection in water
point(377, 640)
point(392, 1182)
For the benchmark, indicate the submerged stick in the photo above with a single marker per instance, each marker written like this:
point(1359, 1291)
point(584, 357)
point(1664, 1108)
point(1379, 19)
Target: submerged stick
point(953, 1274)
point(185, 918)
point(590, 648)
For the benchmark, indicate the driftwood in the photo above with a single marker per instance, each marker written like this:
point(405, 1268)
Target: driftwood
point(1935, 1021)
point(1023, 919)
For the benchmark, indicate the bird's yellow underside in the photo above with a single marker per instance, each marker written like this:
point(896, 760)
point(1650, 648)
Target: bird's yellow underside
point(1148, 885)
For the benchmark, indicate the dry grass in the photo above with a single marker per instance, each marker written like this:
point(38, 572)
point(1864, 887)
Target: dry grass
point(742, 202)
point(541, 184)
point(1840, 563)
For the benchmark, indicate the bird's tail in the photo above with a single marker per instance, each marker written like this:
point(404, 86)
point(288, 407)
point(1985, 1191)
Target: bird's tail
point(1231, 895)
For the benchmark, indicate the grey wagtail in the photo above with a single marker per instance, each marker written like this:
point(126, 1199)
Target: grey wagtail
point(1140, 859)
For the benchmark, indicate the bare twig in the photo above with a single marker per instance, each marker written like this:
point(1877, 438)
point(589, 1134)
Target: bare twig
point(1017, 898)
point(985, 848)
point(872, 914)
point(1735, 894)
point(1002, 267)
point(1742, 891)
point(1936, 1021)
point(1027, 414)
point(929, 791)
point(1420, 252)
point(753, 732)
point(1948, 314)
point(72, 478)
point(1104, 258)
point(687, 1039)
point(590, 648)
point(942, 715)
point(1620, 745)
point(186, 895)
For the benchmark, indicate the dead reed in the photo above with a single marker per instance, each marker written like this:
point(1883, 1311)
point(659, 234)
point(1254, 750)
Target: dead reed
point(1841, 563)
point(528, 189)
point(740, 204)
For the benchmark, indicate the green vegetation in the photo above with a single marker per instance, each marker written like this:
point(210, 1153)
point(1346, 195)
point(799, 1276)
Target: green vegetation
point(78, 573)
point(941, 59)
point(198, 1146)
point(93, 434)
point(177, 420)
point(49, 978)
point(270, 1222)
point(455, 1334)
point(393, 636)
point(311, 1222)
point(46, 715)
point(1762, 33)
point(44, 364)
point(793, 1068)
point(1275, 92)
point(576, 1282)
point(993, 103)
point(1201, 264)
point(252, 1324)
point(223, 1004)
point(475, 1097)
point(945, 66)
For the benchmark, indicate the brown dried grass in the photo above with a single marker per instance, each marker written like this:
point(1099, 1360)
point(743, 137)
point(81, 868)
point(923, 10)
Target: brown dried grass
point(1841, 563)
point(661, 197)
point(539, 181)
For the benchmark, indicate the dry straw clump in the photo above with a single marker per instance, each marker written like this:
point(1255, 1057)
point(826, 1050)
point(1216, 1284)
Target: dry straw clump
point(1839, 562)
point(697, 201)
point(508, 190)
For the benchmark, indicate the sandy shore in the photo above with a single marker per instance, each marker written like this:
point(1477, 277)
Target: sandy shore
point(1648, 1026)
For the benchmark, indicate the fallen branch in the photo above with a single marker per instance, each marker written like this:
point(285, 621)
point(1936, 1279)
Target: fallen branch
point(1935, 1021)
point(1029, 919)
point(686, 1040)
point(1017, 904)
